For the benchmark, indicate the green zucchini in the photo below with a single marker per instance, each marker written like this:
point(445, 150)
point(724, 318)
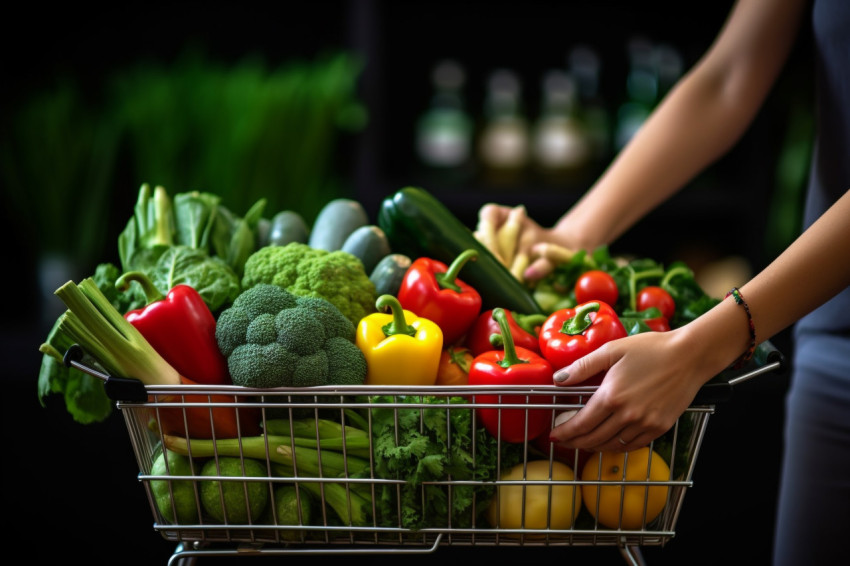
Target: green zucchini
point(335, 222)
point(389, 273)
point(369, 243)
point(288, 226)
point(419, 225)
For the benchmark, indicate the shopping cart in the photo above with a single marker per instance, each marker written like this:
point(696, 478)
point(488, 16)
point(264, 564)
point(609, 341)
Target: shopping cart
point(462, 503)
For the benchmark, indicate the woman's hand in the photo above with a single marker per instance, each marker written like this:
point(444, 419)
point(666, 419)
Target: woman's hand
point(651, 379)
point(529, 250)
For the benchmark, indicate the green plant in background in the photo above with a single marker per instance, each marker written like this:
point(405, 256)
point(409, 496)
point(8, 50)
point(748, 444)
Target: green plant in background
point(57, 161)
point(243, 133)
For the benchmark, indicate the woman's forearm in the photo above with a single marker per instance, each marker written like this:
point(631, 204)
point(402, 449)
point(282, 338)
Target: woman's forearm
point(807, 274)
point(699, 121)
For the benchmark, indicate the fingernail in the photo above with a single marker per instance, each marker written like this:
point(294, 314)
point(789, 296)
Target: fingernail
point(553, 439)
point(560, 376)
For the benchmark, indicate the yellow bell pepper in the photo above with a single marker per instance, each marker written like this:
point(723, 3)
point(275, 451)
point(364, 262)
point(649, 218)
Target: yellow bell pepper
point(400, 348)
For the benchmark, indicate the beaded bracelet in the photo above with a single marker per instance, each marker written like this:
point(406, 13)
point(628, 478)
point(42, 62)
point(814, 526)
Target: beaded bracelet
point(739, 299)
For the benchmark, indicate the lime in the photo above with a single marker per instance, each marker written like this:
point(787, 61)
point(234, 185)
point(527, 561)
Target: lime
point(286, 502)
point(175, 499)
point(237, 509)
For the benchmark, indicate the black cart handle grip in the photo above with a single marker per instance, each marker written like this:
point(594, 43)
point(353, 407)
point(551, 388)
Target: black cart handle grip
point(766, 359)
point(117, 388)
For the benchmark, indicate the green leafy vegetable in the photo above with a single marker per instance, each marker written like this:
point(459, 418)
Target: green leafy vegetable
point(213, 279)
point(195, 214)
point(424, 445)
point(191, 239)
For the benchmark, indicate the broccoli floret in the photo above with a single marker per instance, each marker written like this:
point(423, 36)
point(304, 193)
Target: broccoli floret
point(300, 331)
point(311, 369)
point(231, 330)
point(262, 365)
point(336, 324)
point(344, 363)
point(273, 338)
point(338, 277)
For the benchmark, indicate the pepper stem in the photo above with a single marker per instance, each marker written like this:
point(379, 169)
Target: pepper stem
point(152, 294)
point(581, 320)
point(448, 279)
point(510, 358)
point(398, 324)
point(529, 321)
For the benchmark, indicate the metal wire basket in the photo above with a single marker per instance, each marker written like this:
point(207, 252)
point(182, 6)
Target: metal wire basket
point(408, 469)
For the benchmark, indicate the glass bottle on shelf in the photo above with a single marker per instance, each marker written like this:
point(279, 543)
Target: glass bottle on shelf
point(585, 66)
point(444, 132)
point(641, 91)
point(668, 65)
point(503, 144)
point(561, 146)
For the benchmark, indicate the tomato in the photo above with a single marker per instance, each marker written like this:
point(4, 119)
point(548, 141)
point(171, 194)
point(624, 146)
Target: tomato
point(622, 505)
point(518, 506)
point(454, 366)
point(659, 324)
point(596, 285)
point(653, 296)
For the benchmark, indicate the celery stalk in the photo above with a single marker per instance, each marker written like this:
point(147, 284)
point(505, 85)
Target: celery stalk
point(322, 433)
point(103, 332)
point(351, 507)
point(333, 464)
point(309, 428)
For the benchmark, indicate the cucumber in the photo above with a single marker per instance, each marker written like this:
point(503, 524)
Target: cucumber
point(335, 223)
point(389, 273)
point(288, 226)
point(419, 225)
point(369, 243)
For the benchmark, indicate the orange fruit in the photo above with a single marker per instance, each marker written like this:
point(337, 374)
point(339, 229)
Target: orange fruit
point(623, 505)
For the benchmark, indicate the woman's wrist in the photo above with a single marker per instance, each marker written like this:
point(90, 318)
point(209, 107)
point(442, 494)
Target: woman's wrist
point(571, 235)
point(718, 338)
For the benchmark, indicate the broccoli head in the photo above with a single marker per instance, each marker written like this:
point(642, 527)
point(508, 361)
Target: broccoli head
point(274, 338)
point(337, 277)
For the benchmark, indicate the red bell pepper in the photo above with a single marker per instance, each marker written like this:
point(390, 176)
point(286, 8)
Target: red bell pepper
point(511, 366)
point(569, 334)
point(181, 328)
point(486, 334)
point(432, 290)
point(198, 421)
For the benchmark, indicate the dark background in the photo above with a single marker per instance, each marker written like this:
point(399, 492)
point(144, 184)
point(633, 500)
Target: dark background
point(70, 490)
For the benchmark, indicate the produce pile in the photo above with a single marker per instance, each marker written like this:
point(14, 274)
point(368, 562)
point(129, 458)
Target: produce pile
point(203, 296)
